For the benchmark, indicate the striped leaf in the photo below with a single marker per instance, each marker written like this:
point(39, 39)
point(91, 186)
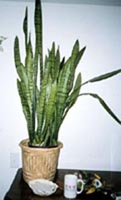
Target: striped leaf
point(49, 111)
point(48, 91)
point(103, 76)
point(42, 99)
point(74, 95)
point(16, 52)
point(29, 68)
point(25, 28)
point(105, 106)
point(52, 61)
point(38, 36)
point(23, 100)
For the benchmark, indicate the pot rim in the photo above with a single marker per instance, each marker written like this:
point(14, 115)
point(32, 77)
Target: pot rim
point(24, 145)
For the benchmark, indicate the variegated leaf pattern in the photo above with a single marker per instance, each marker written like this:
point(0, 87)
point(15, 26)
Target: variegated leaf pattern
point(48, 90)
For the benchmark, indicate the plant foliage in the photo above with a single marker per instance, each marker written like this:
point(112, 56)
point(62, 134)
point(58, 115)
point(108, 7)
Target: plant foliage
point(49, 89)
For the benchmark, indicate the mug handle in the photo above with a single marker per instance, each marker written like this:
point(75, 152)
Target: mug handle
point(82, 186)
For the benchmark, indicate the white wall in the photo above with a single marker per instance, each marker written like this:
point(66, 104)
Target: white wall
point(91, 138)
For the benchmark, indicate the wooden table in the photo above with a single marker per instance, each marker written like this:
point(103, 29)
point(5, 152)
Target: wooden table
point(19, 190)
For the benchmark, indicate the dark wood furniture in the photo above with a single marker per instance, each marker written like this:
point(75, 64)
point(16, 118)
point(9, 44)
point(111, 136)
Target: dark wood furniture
point(19, 190)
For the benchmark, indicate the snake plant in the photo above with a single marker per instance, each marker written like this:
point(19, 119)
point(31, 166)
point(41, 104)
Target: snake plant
point(49, 88)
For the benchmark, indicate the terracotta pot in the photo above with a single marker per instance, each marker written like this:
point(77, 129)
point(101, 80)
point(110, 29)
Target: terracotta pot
point(39, 162)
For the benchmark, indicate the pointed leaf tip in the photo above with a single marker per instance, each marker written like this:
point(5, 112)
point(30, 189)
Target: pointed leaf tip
point(38, 2)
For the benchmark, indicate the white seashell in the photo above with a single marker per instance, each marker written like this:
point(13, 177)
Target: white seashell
point(43, 187)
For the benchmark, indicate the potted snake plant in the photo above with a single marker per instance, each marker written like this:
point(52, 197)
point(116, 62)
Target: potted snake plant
point(48, 88)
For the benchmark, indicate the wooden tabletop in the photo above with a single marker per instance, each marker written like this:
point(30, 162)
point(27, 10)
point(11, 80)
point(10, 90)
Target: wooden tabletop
point(19, 190)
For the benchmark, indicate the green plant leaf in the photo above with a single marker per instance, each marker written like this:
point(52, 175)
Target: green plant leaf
point(16, 52)
point(51, 58)
point(42, 99)
point(29, 69)
point(38, 37)
point(25, 28)
point(74, 95)
point(48, 92)
point(77, 54)
point(103, 76)
point(49, 110)
point(57, 64)
point(105, 106)
point(23, 98)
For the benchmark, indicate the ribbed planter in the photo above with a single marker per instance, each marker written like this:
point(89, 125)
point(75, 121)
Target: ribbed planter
point(39, 162)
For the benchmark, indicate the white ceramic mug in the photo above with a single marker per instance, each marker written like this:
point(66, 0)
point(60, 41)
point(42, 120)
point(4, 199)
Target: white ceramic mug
point(70, 186)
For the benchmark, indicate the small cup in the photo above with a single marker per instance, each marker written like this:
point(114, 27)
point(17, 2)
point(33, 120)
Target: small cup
point(70, 186)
